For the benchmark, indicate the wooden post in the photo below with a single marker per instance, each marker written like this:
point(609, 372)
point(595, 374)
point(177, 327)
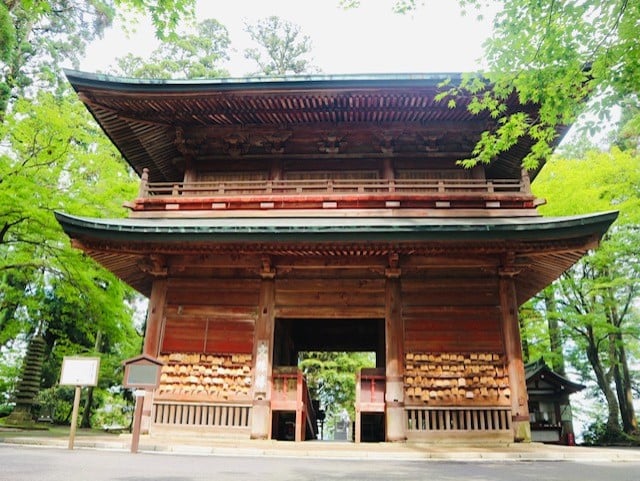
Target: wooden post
point(74, 416)
point(152, 340)
point(358, 427)
point(155, 316)
point(300, 418)
point(137, 420)
point(263, 354)
point(525, 181)
point(394, 330)
point(513, 351)
point(143, 189)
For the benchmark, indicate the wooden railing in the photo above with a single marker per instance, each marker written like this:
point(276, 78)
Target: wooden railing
point(470, 419)
point(289, 392)
point(227, 416)
point(313, 194)
point(329, 186)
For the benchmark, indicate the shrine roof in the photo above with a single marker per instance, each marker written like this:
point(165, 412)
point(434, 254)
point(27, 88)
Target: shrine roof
point(157, 123)
point(539, 370)
point(272, 229)
point(542, 247)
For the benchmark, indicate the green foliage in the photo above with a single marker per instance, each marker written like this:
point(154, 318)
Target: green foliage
point(113, 410)
point(281, 48)
point(600, 181)
point(56, 403)
point(7, 34)
point(597, 299)
point(189, 55)
point(11, 356)
point(570, 58)
point(166, 15)
point(43, 35)
point(331, 377)
point(598, 434)
point(56, 158)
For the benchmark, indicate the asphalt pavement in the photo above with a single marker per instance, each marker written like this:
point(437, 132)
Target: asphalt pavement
point(204, 445)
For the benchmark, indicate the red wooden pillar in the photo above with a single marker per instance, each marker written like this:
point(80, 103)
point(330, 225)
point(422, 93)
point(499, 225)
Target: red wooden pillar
point(155, 317)
point(263, 354)
point(394, 330)
point(513, 350)
point(152, 340)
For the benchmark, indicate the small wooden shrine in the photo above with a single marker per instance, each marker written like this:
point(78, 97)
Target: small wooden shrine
point(278, 216)
point(549, 406)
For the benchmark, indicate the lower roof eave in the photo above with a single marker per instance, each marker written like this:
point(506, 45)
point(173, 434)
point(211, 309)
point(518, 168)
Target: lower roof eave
point(222, 230)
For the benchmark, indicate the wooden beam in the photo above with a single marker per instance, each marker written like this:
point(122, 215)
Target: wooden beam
point(394, 330)
point(513, 351)
point(263, 355)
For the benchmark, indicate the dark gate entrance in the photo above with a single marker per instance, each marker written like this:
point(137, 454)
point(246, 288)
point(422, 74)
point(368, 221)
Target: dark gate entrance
point(295, 336)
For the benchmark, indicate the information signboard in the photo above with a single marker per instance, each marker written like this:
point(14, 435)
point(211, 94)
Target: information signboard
point(80, 371)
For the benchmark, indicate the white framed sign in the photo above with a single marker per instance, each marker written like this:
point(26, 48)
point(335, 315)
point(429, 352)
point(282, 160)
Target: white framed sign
point(80, 371)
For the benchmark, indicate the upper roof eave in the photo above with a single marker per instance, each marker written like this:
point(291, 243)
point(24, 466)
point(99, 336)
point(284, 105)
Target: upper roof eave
point(80, 79)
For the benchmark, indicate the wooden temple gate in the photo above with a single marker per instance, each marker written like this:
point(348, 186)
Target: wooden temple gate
point(275, 217)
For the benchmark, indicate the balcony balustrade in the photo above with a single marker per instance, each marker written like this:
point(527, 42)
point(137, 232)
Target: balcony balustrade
point(327, 194)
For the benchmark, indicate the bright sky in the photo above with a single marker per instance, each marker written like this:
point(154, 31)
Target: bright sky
point(370, 39)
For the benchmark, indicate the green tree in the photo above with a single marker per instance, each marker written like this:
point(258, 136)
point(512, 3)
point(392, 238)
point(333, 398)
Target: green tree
point(594, 304)
point(38, 36)
point(331, 377)
point(56, 158)
point(189, 55)
point(572, 58)
point(282, 48)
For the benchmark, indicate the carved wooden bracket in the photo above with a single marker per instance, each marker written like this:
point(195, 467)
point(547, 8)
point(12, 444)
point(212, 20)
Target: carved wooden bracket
point(154, 265)
point(236, 145)
point(429, 143)
point(188, 147)
point(267, 271)
point(509, 269)
point(331, 144)
point(386, 142)
point(274, 143)
point(393, 271)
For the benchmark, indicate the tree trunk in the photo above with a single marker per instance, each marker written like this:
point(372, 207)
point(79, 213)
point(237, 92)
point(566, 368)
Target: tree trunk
point(613, 417)
point(525, 342)
point(622, 380)
point(555, 337)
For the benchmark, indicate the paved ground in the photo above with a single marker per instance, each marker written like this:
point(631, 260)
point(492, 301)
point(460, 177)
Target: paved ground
point(323, 449)
point(29, 463)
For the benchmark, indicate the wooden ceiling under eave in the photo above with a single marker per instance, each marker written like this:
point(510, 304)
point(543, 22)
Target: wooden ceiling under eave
point(537, 264)
point(155, 124)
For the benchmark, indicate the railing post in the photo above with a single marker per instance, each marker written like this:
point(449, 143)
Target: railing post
point(300, 421)
point(525, 185)
point(143, 190)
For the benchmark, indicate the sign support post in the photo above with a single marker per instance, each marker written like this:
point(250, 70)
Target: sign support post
point(74, 416)
point(137, 419)
point(143, 373)
point(78, 372)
